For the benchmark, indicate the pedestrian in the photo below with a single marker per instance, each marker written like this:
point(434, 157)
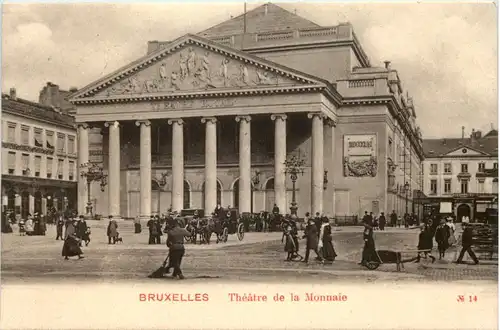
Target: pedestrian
point(71, 245)
point(153, 230)
point(425, 243)
point(441, 236)
point(289, 243)
point(312, 236)
point(137, 225)
point(29, 226)
point(369, 253)
point(112, 230)
point(175, 242)
point(317, 222)
point(467, 245)
point(158, 230)
point(81, 229)
point(367, 219)
point(325, 243)
point(59, 227)
point(452, 240)
point(393, 218)
point(375, 223)
point(400, 220)
point(382, 221)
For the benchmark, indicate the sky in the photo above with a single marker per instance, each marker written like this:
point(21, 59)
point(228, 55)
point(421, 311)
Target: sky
point(445, 54)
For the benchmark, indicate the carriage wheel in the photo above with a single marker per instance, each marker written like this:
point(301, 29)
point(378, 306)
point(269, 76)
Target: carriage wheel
point(372, 265)
point(225, 234)
point(240, 232)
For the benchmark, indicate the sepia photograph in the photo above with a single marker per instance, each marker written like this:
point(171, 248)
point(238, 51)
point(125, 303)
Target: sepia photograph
point(210, 156)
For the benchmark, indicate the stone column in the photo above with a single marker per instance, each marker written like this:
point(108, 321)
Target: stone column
point(145, 168)
point(210, 164)
point(177, 164)
point(245, 184)
point(279, 161)
point(31, 204)
point(329, 161)
point(44, 205)
point(83, 158)
point(317, 168)
point(114, 169)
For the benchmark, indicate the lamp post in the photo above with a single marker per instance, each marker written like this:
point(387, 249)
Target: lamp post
point(294, 166)
point(161, 181)
point(92, 173)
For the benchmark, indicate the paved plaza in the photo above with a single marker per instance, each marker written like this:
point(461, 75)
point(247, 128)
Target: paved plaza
point(259, 257)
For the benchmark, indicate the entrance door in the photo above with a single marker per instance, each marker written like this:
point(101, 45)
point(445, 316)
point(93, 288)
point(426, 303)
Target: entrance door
point(270, 198)
point(463, 210)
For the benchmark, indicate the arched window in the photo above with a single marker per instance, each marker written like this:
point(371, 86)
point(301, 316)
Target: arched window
point(187, 195)
point(219, 194)
point(270, 184)
point(236, 195)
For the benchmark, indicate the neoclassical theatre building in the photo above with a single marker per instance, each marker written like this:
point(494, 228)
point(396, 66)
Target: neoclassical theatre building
point(211, 118)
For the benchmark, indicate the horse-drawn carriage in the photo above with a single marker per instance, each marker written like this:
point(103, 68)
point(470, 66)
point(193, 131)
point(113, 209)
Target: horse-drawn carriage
point(197, 224)
point(228, 223)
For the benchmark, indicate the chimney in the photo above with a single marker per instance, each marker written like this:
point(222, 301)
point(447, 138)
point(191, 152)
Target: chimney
point(463, 132)
point(387, 65)
point(13, 94)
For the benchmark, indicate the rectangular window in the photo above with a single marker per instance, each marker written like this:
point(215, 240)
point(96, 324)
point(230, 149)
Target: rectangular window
point(49, 167)
point(447, 168)
point(480, 186)
point(38, 163)
point(60, 164)
point(71, 170)
point(434, 168)
point(464, 168)
point(60, 142)
point(464, 187)
point(11, 132)
point(71, 144)
point(50, 139)
point(447, 186)
point(38, 142)
point(480, 167)
point(25, 135)
point(433, 187)
point(11, 159)
point(26, 164)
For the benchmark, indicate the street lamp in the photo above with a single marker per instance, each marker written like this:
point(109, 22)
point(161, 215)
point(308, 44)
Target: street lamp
point(161, 182)
point(93, 173)
point(294, 166)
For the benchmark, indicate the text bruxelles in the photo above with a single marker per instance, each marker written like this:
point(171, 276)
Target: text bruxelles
point(174, 297)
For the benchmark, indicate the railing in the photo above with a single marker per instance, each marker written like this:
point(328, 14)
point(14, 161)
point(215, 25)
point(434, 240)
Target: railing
point(274, 36)
point(361, 83)
point(225, 40)
point(318, 32)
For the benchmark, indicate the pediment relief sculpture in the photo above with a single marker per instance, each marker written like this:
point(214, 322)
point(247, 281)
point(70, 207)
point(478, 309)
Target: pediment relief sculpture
point(193, 68)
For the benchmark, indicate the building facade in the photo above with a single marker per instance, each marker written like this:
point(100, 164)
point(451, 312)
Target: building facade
point(211, 118)
point(461, 175)
point(39, 145)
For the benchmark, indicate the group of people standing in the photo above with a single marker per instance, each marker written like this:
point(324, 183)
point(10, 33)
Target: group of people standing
point(318, 235)
point(76, 232)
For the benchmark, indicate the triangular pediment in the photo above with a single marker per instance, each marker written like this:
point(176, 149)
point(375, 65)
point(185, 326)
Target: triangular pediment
point(193, 64)
point(465, 151)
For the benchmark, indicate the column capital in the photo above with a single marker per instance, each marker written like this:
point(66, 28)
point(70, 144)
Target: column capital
point(82, 125)
point(178, 121)
point(112, 123)
point(281, 116)
point(211, 120)
point(331, 122)
point(143, 122)
point(243, 118)
point(320, 115)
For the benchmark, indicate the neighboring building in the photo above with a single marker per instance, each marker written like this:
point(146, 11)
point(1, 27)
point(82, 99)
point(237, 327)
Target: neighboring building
point(39, 157)
point(219, 112)
point(461, 175)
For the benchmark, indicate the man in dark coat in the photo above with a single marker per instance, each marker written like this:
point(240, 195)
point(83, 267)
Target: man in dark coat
point(158, 230)
point(441, 236)
point(369, 252)
point(276, 210)
point(367, 219)
point(382, 221)
point(175, 241)
point(467, 245)
point(311, 235)
point(153, 231)
point(394, 218)
point(317, 222)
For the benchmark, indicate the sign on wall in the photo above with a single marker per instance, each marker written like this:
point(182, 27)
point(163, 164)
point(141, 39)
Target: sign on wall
point(360, 155)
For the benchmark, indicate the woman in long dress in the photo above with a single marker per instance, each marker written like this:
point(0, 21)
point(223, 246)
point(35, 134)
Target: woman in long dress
point(71, 245)
point(325, 243)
